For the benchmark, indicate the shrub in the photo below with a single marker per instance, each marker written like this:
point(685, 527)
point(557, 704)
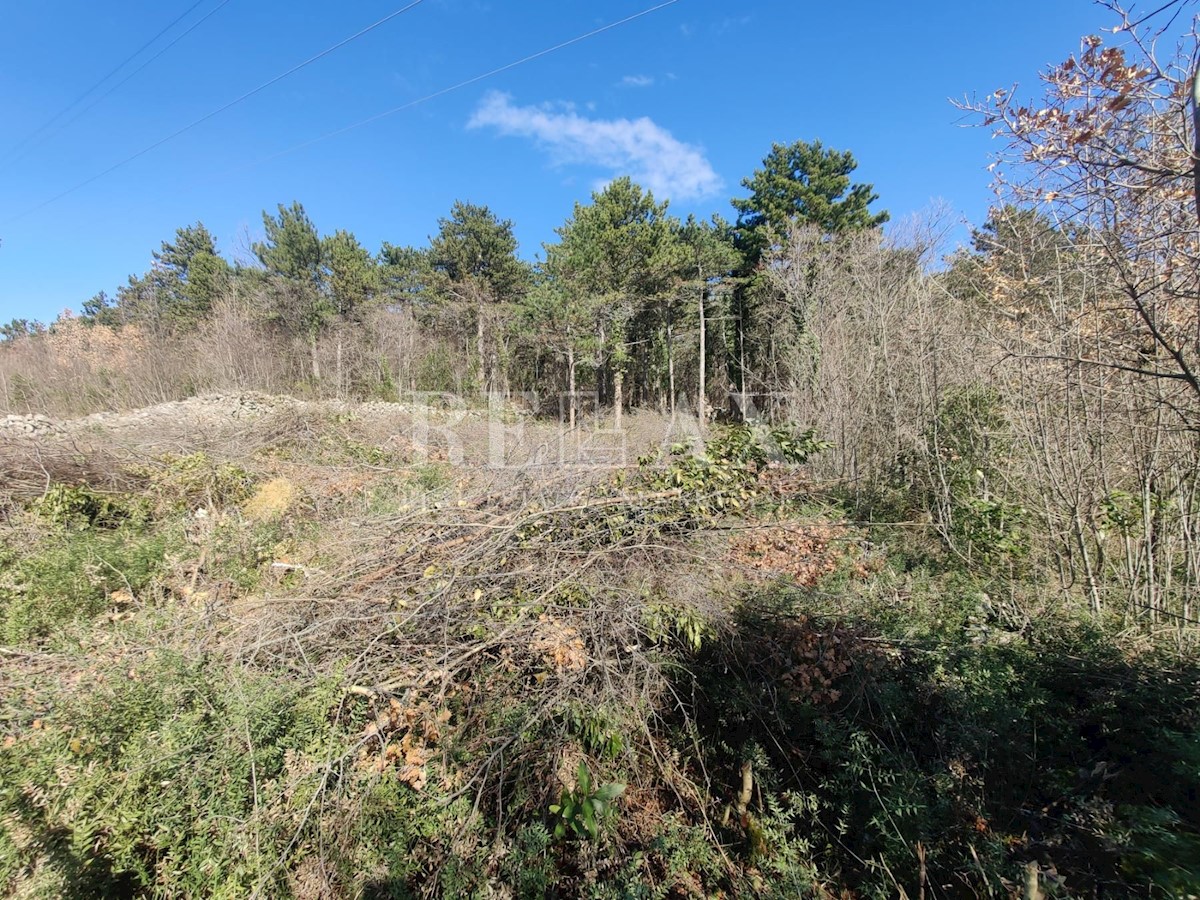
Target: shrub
point(195, 479)
point(78, 573)
point(171, 776)
point(724, 478)
point(986, 752)
point(67, 506)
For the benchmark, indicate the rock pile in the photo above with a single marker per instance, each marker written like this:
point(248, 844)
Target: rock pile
point(14, 425)
point(209, 410)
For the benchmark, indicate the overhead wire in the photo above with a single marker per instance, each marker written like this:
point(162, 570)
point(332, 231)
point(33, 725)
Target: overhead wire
point(455, 87)
point(216, 112)
point(1151, 15)
point(132, 56)
point(216, 9)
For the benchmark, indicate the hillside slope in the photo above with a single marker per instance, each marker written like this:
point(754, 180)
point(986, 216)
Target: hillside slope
point(253, 646)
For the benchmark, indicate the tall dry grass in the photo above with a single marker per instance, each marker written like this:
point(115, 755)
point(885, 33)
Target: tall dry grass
point(76, 368)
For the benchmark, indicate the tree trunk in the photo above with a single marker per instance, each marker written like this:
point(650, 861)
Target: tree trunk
point(316, 363)
point(702, 395)
point(618, 395)
point(602, 368)
point(571, 387)
point(339, 368)
point(411, 334)
point(670, 365)
point(742, 366)
point(479, 351)
point(506, 379)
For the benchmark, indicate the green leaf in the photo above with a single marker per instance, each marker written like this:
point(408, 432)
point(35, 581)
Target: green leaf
point(609, 792)
point(589, 818)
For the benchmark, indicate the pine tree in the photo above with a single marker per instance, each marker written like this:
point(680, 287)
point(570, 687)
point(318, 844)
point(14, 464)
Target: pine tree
point(475, 273)
point(802, 184)
point(292, 255)
point(349, 274)
point(188, 275)
point(618, 254)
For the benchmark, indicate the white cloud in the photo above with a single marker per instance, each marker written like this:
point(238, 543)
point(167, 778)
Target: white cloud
point(648, 153)
point(637, 81)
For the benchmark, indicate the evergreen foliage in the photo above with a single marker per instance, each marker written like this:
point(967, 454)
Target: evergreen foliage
point(802, 184)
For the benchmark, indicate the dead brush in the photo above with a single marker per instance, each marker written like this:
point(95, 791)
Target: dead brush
point(485, 637)
point(805, 553)
point(29, 466)
point(515, 621)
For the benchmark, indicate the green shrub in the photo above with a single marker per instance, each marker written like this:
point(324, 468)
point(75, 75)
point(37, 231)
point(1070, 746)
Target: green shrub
point(724, 478)
point(581, 811)
point(985, 751)
point(78, 573)
point(240, 549)
point(196, 479)
point(172, 777)
point(68, 506)
point(969, 440)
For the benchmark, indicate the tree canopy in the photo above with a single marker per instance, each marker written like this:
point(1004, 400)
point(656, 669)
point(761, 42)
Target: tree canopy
point(803, 184)
point(474, 245)
point(291, 247)
point(627, 295)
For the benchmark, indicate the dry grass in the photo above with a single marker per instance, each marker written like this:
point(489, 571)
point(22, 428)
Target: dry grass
point(513, 618)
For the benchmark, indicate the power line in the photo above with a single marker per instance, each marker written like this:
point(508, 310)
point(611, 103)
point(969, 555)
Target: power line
point(1151, 15)
point(58, 115)
point(462, 84)
point(132, 74)
point(216, 112)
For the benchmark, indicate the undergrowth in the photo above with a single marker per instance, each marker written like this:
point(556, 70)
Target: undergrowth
point(690, 680)
point(82, 554)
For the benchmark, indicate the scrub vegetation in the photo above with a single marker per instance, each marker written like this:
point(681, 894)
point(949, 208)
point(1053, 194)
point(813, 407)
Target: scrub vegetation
point(773, 557)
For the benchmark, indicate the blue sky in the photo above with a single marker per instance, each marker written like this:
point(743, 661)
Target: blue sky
point(687, 99)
